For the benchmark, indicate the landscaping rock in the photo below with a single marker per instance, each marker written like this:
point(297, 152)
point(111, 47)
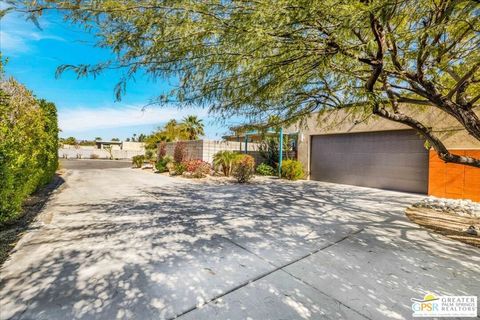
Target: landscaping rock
point(464, 208)
point(472, 231)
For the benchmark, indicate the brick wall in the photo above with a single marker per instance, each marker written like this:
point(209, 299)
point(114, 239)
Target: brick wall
point(206, 149)
point(450, 180)
point(194, 149)
point(210, 147)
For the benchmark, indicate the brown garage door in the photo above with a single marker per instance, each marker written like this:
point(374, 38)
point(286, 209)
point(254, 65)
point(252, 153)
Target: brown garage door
point(395, 160)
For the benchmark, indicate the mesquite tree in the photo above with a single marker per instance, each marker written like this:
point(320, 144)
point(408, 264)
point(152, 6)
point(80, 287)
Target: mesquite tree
point(289, 58)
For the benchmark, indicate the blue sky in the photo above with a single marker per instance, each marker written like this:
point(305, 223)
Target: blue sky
point(86, 106)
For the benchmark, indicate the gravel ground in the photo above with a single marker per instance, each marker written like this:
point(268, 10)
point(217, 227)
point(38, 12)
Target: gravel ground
point(465, 208)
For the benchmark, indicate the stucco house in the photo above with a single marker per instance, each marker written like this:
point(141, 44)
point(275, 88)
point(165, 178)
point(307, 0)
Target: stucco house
point(351, 147)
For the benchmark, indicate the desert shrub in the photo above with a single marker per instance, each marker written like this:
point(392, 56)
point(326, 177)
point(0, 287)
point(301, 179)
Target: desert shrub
point(292, 170)
point(171, 168)
point(176, 169)
point(149, 154)
point(179, 168)
point(162, 164)
point(137, 161)
point(197, 168)
point(28, 146)
point(244, 168)
point(265, 170)
point(109, 149)
point(94, 156)
point(180, 152)
point(224, 160)
point(162, 150)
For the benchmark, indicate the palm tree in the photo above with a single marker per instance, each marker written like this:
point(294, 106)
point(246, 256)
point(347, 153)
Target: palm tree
point(141, 137)
point(193, 127)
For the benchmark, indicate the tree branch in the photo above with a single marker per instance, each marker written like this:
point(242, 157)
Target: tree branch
point(475, 99)
point(462, 80)
point(414, 101)
point(439, 147)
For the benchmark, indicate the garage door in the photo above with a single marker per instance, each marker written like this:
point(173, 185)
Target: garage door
point(395, 160)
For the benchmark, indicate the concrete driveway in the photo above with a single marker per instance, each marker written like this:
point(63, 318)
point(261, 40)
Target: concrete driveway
point(121, 243)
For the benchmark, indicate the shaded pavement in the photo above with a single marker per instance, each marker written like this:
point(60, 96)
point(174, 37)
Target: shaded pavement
point(121, 243)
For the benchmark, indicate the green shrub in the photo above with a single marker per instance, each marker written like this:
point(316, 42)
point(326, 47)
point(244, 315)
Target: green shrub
point(176, 169)
point(137, 161)
point(179, 168)
point(28, 146)
point(149, 154)
point(292, 170)
point(162, 163)
point(269, 150)
point(49, 156)
point(224, 160)
point(265, 170)
point(244, 168)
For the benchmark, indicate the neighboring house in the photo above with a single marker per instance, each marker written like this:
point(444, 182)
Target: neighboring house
point(115, 145)
point(344, 147)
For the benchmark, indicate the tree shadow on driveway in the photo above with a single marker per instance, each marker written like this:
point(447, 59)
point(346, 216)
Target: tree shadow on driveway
point(343, 251)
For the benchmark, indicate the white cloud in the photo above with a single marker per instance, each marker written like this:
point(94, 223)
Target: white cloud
point(38, 36)
point(86, 119)
point(17, 35)
point(12, 43)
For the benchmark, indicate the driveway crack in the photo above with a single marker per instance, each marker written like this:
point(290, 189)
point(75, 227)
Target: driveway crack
point(276, 268)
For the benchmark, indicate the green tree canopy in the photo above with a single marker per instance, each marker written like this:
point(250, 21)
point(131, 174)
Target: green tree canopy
point(289, 58)
point(70, 140)
point(189, 129)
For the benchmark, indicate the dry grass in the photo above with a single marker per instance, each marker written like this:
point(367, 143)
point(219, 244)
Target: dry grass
point(446, 223)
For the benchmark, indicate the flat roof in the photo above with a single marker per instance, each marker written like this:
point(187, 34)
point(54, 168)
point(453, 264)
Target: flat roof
point(109, 142)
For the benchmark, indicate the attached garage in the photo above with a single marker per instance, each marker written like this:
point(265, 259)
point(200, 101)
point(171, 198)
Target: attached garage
point(394, 160)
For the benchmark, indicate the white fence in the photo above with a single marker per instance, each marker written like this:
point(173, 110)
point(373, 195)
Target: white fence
point(88, 153)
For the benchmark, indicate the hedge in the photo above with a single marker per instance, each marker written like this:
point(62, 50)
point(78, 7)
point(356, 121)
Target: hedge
point(28, 146)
